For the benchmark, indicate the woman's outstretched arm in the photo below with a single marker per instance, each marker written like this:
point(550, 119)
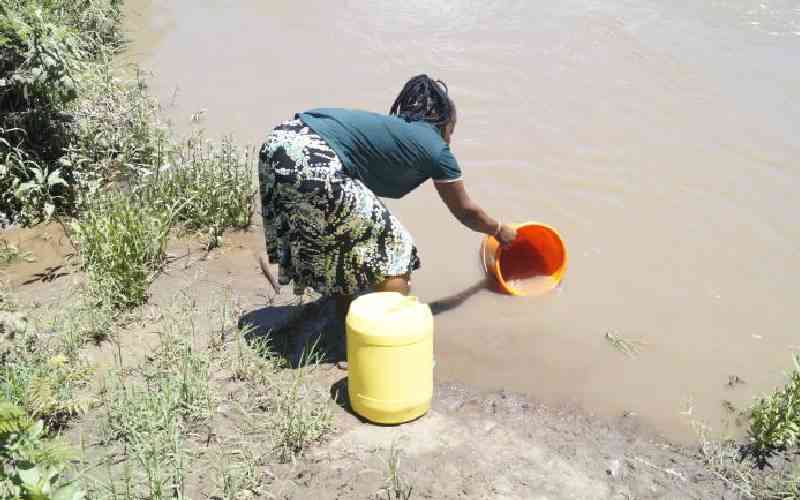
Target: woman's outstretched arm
point(469, 213)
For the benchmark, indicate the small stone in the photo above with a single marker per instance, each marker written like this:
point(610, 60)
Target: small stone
point(615, 469)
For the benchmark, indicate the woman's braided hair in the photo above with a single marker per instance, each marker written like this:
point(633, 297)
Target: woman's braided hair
point(424, 99)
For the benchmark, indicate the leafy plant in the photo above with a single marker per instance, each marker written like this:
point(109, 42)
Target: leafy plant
point(42, 56)
point(46, 382)
point(31, 467)
point(775, 418)
point(29, 189)
point(122, 246)
point(36, 195)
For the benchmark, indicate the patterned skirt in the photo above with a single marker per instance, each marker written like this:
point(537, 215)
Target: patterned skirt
point(326, 230)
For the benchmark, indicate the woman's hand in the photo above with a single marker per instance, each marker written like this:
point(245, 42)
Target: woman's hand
point(506, 235)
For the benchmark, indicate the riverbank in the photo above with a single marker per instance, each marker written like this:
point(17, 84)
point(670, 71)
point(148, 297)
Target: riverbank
point(471, 445)
point(254, 428)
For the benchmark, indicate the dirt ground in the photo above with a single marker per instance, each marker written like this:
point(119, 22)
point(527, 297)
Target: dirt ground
point(471, 445)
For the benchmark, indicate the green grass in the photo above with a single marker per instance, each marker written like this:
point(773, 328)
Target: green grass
point(38, 375)
point(122, 247)
point(41, 388)
point(286, 406)
point(153, 407)
point(213, 181)
point(158, 412)
point(396, 487)
point(299, 414)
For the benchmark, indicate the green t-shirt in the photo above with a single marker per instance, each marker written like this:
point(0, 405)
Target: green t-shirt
point(388, 154)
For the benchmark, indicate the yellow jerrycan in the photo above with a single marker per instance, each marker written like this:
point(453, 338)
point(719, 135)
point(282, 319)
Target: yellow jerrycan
point(390, 357)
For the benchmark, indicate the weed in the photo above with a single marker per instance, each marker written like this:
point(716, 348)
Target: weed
point(72, 128)
point(215, 181)
point(37, 375)
point(782, 486)
point(152, 408)
point(775, 418)
point(122, 247)
point(6, 301)
point(30, 465)
point(29, 190)
point(45, 47)
point(119, 137)
point(239, 476)
point(298, 411)
point(396, 487)
point(84, 321)
point(287, 406)
point(723, 458)
point(44, 56)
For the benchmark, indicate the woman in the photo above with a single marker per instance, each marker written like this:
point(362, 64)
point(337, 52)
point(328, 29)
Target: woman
point(321, 178)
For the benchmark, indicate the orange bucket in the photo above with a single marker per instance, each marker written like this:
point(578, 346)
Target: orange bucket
point(534, 264)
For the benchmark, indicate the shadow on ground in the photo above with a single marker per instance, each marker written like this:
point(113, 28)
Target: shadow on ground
point(297, 332)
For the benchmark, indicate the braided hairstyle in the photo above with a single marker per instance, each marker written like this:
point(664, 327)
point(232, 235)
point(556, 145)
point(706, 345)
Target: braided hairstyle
point(424, 99)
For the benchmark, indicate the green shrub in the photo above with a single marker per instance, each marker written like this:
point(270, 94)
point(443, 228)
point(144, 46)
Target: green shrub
point(775, 419)
point(214, 182)
point(42, 57)
point(31, 467)
point(122, 246)
point(48, 50)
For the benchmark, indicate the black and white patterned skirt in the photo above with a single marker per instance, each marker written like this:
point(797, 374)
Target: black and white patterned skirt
point(325, 230)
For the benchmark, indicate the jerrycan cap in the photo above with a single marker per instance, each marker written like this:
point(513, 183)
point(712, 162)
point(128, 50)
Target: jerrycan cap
point(390, 318)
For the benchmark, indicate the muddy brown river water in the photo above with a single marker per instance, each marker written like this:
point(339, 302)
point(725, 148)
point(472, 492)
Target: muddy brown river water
point(660, 138)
